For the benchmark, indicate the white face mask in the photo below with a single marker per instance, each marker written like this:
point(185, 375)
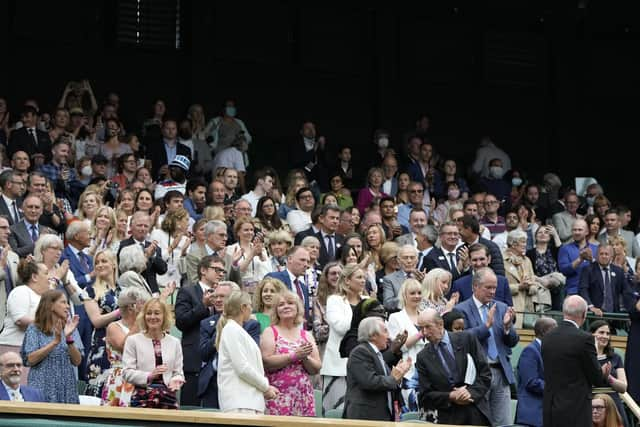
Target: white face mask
point(516, 182)
point(86, 171)
point(496, 171)
point(383, 143)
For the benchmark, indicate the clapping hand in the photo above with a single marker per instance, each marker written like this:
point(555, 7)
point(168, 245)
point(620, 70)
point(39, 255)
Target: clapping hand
point(398, 342)
point(490, 314)
point(176, 384)
point(71, 325)
point(303, 351)
point(158, 371)
point(62, 270)
point(401, 369)
point(606, 369)
point(168, 290)
point(151, 249)
point(271, 393)
point(508, 318)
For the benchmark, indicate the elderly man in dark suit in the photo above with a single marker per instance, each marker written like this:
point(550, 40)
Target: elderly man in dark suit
point(602, 283)
point(372, 385)
point(391, 283)
point(10, 374)
point(492, 323)
point(571, 368)
point(140, 224)
point(531, 376)
point(442, 368)
point(194, 303)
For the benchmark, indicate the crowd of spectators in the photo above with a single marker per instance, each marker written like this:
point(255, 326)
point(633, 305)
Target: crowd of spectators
point(338, 274)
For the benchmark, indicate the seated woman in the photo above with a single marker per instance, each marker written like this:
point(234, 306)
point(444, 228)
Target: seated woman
point(453, 321)
point(242, 385)
point(529, 295)
point(341, 194)
point(372, 190)
point(435, 287)
point(604, 412)
point(290, 357)
point(543, 260)
point(264, 298)
point(453, 198)
point(152, 359)
point(49, 348)
point(268, 217)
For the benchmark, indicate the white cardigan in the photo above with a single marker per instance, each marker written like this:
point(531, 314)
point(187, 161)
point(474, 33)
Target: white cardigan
point(338, 315)
point(241, 379)
point(139, 359)
point(398, 323)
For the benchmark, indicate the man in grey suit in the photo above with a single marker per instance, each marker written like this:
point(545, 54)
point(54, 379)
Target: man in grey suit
point(391, 283)
point(8, 267)
point(417, 220)
point(613, 228)
point(563, 221)
point(25, 233)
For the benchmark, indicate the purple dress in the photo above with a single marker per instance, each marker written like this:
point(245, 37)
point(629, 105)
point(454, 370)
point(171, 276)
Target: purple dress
point(293, 382)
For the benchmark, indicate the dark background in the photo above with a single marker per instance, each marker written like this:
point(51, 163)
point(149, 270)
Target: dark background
point(555, 83)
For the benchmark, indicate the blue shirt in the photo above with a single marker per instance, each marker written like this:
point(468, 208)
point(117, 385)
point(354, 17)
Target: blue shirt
point(11, 390)
point(566, 255)
point(171, 151)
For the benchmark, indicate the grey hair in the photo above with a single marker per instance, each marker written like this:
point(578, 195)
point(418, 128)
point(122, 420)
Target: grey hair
point(129, 297)
point(574, 306)
point(75, 228)
point(233, 285)
point(213, 226)
point(430, 232)
point(543, 325)
point(309, 240)
point(138, 215)
point(515, 236)
point(407, 247)
point(368, 327)
point(46, 240)
point(132, 258)
point(481, 275)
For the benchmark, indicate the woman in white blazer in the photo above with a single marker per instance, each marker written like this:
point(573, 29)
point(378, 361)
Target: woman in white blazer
point(351, 288)
point(407, 320)
point(242, 385)
point(152, 359)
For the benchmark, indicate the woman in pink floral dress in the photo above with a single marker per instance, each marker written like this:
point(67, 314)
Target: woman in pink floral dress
point(290, 357)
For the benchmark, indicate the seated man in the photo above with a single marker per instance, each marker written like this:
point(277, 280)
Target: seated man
point(10, 373)
point(442, 367)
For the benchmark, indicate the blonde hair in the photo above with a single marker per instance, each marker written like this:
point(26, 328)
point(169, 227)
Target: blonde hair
point(347, 271)
point(618, 239)
point(83, 198)
point(430, 283)
point(290, 297)
point(407, 286)
point(112, 220)
point(100, 287)
point(258, 304)
point(213, 213)
point(232, 307)
point(167, 317)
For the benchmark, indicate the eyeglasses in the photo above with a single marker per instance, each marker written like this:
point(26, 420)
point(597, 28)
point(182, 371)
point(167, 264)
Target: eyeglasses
point(597, 408)
point(416, 191)
point(217, 269)
point(306, 196)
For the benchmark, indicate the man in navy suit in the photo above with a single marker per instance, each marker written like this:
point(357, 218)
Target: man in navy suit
point(479, 258)
point(10, 373)
point(194, 303)
point(445, 256)
point(293, 277)
point(531, 376)
point(492, 323)
point(30, 139)
point(330, 241)
point(602, 283)
point(207, 381)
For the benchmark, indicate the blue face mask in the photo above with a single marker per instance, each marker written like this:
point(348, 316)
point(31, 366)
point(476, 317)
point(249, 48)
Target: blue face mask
point(230, 111)
point(516, 182)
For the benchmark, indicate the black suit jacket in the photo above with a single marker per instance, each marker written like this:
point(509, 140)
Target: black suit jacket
point(592, 285)
point(571, 369)
point(367, 386)
point(323, 256)
point(158, 155)
point(434, 387)
point(21, 141)
point(155, 264)
point(190, 311)
point(4, 209)
point(497, 263)
point(437, 259)
point(20, 238)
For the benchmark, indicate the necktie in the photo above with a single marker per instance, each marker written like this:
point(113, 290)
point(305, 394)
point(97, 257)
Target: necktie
point(34, 233)
point(452, 264)
point(607, 304)
point(330, 250)
point(300, 293)
point(492, 350)
point(33, 135)
point(386, 372)
point(16, 396)
point(449, 363)
point(16, 214)
point(82, 257)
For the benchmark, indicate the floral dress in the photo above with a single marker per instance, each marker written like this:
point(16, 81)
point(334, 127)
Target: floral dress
point(156, 395)
point(293, 382)
point(98, 360)
point(116, 391)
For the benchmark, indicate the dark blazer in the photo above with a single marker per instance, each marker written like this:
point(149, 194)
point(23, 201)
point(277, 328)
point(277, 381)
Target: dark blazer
point(323, 256)
point(571, 369)
point(20, 238)
point(434, 387)
point(367, 386)
point(76, 267)
point(29, 394)
point(504, 342)
point(4, 209)
point(189, 312)
point(464, 287)
point(155, 264)
point(497, 263)
point(20, 140)
point(530, 386)
point(283, 276)
point(207, 381)
point(591, 285)
point(158, 155)
point(437, 259)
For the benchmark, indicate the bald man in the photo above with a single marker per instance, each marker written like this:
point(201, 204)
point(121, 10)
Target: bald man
point(11, 374)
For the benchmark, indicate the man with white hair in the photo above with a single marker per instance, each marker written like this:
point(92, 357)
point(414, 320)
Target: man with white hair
point(215, 235)
point(11, 374)
point(371, 381)
point(80, 264)
point(571, 368)
point(391, 283)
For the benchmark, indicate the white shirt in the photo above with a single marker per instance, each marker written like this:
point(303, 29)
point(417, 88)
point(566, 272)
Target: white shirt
point(230, 157)
point(10, 203)
point(298, 220)
point(22, 302)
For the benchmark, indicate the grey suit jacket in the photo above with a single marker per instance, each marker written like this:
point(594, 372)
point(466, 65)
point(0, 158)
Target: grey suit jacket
point(20, 238)
point(563, 222)
point(12, 263)
point(391, 284)
point(633, 250)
